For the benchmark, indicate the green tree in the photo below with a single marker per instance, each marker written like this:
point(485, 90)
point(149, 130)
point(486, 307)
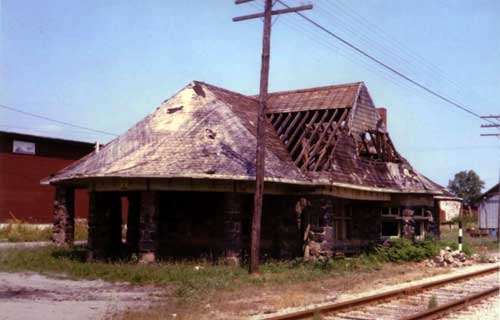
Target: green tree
point(466, 185)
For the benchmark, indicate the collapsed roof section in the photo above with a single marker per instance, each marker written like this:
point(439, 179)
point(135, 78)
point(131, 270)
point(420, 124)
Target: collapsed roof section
point(314, 137)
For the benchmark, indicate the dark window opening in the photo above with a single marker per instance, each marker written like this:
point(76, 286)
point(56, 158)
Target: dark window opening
point(390, 228)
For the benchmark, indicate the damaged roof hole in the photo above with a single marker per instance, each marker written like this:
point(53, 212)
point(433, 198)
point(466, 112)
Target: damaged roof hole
point(199, 90)
point(172, 110)
point(210, 133)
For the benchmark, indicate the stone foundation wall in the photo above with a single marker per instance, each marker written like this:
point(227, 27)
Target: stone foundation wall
point(63, 230)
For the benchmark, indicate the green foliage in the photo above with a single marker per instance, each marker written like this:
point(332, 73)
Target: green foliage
point(467, 221)
point(466, 185)
point(403, 250)
point(432, 302)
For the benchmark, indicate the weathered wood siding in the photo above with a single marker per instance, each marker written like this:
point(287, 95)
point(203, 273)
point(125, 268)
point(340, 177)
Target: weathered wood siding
point(365, 115)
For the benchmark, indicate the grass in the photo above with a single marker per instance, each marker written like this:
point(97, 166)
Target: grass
point(19, 231)
point(470, 244)
point(189, 277)
point(190, 286)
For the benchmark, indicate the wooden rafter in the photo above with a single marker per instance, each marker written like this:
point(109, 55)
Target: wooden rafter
point(320, 140)
point(284, 123)
point(301, 128)
point(277, 120)
point(297, 130)
point(313, 134)
point(294, 121)
point(330, 140)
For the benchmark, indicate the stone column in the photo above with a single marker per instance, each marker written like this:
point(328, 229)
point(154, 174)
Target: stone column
point(148, 227)
point(134, 208)
point(63, 230)
point(232, 227)
point(104, 240)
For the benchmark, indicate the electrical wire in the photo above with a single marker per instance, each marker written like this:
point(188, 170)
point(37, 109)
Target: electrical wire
point(56, 121)
point(386, 66)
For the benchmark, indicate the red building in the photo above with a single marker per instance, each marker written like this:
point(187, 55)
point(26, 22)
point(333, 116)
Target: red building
point(24, 161)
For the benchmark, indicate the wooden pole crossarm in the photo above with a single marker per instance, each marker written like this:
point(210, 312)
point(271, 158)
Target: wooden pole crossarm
point(242, 1)
point(274, 12)
point(496, 125)
point(490, 117)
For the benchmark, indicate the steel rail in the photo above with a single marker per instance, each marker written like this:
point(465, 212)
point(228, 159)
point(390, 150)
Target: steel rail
point(446, 308)
point(335, 307)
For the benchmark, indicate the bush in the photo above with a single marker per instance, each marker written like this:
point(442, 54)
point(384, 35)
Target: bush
point(403, 250)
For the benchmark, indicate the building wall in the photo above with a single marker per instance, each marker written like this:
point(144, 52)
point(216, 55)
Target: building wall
point(21, 195)
point(448, 210)
point(191, 224)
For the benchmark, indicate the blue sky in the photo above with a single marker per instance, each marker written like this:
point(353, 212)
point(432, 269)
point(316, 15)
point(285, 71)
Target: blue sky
point(106, 64)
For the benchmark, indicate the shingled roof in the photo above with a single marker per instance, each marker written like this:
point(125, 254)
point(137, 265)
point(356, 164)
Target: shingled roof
point(202, 132)
point(206, 132)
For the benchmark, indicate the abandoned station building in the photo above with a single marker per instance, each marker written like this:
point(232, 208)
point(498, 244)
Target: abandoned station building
point(334, 180)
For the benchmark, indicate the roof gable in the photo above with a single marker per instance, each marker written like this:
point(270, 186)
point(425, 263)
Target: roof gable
point(328, 97)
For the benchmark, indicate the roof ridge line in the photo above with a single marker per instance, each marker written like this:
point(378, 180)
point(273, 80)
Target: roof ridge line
point(317, 88)
point(224, 90)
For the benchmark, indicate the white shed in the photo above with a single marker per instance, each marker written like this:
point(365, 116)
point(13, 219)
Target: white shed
point(488, 209)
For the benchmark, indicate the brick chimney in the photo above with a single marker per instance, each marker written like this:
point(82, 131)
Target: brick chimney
point(382, 112)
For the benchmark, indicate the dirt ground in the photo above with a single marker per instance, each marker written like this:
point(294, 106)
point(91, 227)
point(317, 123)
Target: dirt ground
point(33, 296)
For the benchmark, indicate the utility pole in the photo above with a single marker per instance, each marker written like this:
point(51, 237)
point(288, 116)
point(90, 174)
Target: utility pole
point(260, 153)
point(492, 124)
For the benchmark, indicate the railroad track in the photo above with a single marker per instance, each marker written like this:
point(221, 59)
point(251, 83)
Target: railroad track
point(430, 300)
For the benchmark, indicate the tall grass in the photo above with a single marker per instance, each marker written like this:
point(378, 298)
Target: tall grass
point(19, 231)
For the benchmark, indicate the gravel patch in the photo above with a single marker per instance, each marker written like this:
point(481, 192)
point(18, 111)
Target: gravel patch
point(35, 244)
point(33, 296)
point(349, 296)
point(488, 309)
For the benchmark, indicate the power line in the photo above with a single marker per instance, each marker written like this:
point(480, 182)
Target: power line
point(386, 66)
point(56, 121)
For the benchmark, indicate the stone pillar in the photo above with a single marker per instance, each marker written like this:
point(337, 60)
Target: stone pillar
point(134, 208)
point(232, 227)
point(104, 221)
point(148, 226)
point(63, 230)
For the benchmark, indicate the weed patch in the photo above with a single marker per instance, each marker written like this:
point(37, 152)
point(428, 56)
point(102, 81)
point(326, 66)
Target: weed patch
point(403, 250)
